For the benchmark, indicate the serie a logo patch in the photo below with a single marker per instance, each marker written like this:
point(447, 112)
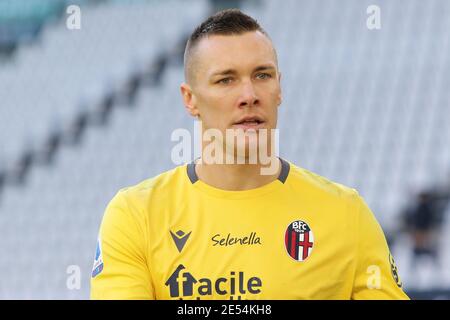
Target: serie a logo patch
point(98, 263)
point(299, 240)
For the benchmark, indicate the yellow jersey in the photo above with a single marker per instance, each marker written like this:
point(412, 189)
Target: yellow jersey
point(301, 236)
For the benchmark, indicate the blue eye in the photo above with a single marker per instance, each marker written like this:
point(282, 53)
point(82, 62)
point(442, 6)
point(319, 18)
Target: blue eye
point(263, 75)
point(224, 80)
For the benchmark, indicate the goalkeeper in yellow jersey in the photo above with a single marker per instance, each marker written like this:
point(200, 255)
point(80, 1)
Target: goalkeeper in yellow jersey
point(235, 229)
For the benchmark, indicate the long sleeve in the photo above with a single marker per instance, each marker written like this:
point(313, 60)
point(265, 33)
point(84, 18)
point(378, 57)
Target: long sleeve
point(376, 274)
point(121, 269)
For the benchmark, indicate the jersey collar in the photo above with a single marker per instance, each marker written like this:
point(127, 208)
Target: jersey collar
point(281, 177)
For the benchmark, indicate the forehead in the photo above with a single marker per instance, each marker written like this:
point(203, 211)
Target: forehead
point(234, 51)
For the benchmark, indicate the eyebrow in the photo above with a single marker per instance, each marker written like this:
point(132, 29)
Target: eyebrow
point(233, 71)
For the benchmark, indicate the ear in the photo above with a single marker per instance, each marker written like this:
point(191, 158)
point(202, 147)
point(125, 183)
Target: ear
point(280, 96)
point(189, 99)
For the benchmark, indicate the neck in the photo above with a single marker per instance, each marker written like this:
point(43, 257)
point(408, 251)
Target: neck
point(237, 177)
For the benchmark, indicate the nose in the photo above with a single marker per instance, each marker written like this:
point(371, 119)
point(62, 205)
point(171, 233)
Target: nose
point(248, 95)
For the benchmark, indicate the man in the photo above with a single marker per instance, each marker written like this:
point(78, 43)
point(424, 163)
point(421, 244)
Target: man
point(230, 230)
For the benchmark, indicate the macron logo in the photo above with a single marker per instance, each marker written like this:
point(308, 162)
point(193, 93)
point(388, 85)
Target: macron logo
point(180, 239)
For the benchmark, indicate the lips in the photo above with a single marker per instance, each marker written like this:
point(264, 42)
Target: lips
point(249, 122)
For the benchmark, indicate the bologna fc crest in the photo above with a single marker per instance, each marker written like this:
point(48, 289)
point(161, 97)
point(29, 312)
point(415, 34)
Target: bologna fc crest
point(299, 240)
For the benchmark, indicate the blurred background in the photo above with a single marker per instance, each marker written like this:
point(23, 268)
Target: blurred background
point(86, 111)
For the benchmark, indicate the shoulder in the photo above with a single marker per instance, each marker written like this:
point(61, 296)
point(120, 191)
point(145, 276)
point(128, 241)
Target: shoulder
point(157, 186)
point(303, 180)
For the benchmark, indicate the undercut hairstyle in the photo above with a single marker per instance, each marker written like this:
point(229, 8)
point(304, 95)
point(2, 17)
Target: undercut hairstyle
point(225, 22)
